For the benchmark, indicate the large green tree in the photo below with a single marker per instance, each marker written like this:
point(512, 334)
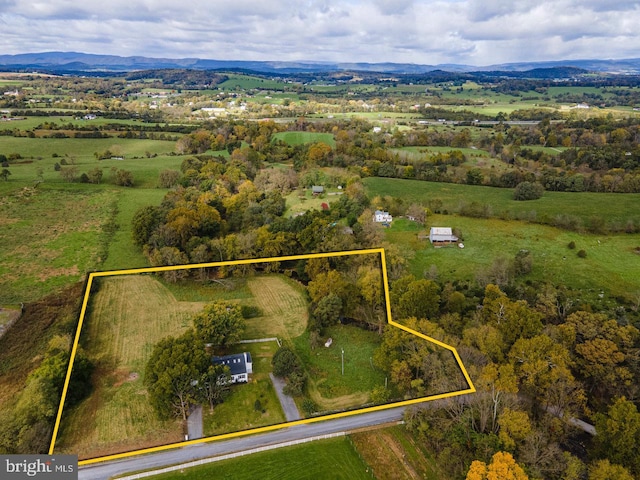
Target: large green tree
point(219, 323)
point(173, 373)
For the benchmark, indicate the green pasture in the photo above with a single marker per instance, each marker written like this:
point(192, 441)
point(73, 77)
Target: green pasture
point(122, 252)
point(611, 265)
point(420, 151)
point(335, 459)
point(302, 138)
point(614, 208)
point(324, 365)
point(145, 170)
point(29, 123)
point(299, 201)
point(50, 238)
point(247, 82)
point(83, 149)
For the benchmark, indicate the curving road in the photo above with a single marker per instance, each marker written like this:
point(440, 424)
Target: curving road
point(103, 471)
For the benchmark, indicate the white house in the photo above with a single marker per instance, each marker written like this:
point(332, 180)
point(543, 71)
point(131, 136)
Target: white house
point(381, 216)
point(240, 366)
point(442, 236)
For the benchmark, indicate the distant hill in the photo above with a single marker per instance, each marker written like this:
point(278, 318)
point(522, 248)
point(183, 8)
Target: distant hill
point(61, 62)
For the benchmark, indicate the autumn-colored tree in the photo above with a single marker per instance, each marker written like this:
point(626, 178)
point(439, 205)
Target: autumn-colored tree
point(502, 467)
point(618, 435)
point(605, 470)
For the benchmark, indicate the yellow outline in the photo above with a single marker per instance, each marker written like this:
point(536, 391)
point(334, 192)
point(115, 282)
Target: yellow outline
point(93, 275)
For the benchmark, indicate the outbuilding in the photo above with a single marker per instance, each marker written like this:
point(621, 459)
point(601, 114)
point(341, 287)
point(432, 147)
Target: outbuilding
point(440, 236)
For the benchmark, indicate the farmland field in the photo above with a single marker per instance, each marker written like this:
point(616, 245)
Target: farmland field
point(615, 208)
point(127, 316)
point(300, 138)
point(336, 459)
point(33, 264)
point(613, 256)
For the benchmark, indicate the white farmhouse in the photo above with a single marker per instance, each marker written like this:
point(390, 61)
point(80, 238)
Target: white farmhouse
point(380, 216)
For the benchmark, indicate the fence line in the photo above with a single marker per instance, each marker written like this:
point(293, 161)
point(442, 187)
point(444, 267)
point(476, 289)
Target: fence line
point(259, 340)
point(229, 456)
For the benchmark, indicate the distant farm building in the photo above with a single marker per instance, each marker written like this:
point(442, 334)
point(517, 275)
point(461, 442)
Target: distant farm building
point(440, 236)
point(380, 216)
point(240, 366)
point(317, 189)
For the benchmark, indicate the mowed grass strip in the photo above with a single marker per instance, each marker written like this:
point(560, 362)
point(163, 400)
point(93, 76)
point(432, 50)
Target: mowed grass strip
point(283, 305)
point(335, 459)
point(127, 316)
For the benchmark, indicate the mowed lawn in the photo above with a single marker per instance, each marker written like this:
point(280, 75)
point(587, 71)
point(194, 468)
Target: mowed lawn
point(283, 305)
point(127, 316)
point(335, 459)
point(611, 265)
point(257, 400)
point(328, 387)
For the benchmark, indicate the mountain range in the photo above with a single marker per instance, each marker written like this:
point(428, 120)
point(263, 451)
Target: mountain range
point(60, 62)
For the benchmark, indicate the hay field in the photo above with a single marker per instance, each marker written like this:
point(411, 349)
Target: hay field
point(283, 305)
point(127, 316)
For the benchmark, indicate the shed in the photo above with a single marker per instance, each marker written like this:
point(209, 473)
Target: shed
point(439, 236)
point(317, 189)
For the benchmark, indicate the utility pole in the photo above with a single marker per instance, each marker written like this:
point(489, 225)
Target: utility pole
point(342, 361)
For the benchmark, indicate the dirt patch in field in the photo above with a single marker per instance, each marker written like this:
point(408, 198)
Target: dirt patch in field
point(57, 272)
point(385, 455)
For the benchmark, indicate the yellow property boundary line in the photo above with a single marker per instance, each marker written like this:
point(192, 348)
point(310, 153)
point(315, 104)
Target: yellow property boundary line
point(268, 428)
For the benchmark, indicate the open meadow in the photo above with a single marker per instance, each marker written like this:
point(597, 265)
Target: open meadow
point(614, 257)
point(614, 209)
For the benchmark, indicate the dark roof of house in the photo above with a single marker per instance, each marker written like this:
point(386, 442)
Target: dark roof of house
point(236, 363)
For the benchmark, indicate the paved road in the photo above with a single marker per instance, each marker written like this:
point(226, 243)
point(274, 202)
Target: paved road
point(103, 471)
point(194, 423)
point(288, 405)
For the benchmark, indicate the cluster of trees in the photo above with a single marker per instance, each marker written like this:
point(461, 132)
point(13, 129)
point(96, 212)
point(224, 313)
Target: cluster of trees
point(180, 373)
point(536, 365)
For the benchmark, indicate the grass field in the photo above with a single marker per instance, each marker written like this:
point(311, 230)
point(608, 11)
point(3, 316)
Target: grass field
point(328, 388)
point(393, 454)
point(301, 138)
point(334, 459)
point(299, 201)
point(128, 315)
point(614, 208)
point(612, 256)
point(42, 250)
point(283, 305)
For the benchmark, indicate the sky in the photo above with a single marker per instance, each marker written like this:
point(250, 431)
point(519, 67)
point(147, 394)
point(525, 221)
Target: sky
point(471, 32)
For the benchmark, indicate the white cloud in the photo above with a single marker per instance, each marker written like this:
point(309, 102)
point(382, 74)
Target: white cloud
point(478, 32)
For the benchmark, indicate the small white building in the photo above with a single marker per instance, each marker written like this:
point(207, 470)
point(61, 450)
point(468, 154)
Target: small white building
point(442, 236)
point(380, 216)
